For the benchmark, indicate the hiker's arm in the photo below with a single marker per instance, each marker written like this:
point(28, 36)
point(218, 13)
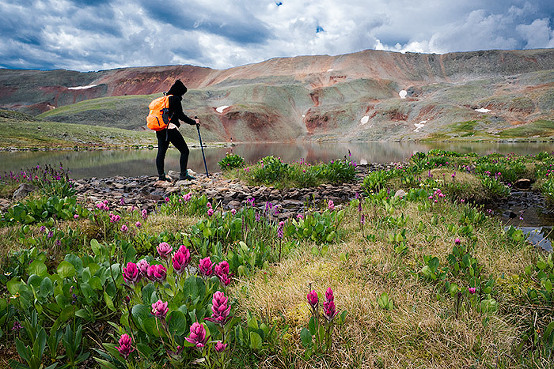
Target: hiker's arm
point(182, 116)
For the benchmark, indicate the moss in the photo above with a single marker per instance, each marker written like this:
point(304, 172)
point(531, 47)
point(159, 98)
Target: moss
point(540, 128)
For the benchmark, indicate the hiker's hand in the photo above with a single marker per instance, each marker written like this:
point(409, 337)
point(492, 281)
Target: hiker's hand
point(197, 121)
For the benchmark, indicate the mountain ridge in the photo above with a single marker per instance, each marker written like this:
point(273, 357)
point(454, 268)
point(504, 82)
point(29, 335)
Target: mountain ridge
point(368, 95)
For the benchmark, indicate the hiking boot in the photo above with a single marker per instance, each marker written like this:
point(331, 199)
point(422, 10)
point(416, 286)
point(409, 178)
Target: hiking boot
point(164, 178)
point(186, 177)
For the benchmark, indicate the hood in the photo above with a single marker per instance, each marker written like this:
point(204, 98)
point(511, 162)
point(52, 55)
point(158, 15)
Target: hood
point(178, 89)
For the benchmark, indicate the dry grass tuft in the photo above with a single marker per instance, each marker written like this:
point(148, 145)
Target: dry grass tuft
point(422, 330)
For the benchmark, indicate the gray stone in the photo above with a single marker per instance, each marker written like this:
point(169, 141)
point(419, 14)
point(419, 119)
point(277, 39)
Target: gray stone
point(23, 190)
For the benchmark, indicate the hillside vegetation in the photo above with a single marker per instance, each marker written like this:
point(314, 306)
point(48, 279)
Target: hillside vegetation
point(24, 131)
point(370, 95)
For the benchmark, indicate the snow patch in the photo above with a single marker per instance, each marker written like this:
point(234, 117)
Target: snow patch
point(330, 70)
point(81, 87)
point(364, 119)
point(482, 110)
point(419, 125)
point(363, 161)
point(221, 109)
point(403, 94)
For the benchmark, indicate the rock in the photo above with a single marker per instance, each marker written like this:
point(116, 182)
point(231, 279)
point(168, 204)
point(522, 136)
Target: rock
point(23, 190)
point(163, 184)
point(4, 204)
point(523, 184)
point(400, 193)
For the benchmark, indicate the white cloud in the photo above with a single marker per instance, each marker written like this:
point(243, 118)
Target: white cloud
point(220, 34)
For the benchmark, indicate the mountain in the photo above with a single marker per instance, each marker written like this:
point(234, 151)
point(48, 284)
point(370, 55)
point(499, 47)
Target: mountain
point(368, 95)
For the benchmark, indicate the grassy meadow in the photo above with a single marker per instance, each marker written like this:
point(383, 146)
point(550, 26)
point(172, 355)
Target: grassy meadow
point(20, 130)
point(424, 278)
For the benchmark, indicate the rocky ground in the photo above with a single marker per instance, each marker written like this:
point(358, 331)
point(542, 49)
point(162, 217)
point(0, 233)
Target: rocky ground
point(146, 192)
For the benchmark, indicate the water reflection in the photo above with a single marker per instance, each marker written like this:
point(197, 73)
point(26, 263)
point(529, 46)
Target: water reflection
point(106, 163)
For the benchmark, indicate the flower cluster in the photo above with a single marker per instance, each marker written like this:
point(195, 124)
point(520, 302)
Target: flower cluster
point(329, 311)
point(197, 335)
point(436, 196)
point(181, 259)
point(220, 309)
point(103, 205)
point(125, 345)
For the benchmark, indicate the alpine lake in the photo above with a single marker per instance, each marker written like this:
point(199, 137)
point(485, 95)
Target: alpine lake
point(534, 218)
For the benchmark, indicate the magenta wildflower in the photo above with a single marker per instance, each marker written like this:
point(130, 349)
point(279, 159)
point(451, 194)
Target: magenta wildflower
point(206, 267)
point(233, 211)
point(138, 225)
point(472, 290)
point(143, 265)
point(159, 309)
point(156, 273)
point(124, 228)
point(222, 269)
point(76, 216)
point(329, 310)
point(164, 249)
point(313, 299)
point(220, 346)
point(220, 309)
point(280, 229)
point(329, 295)
point(131, 273)
point(144, 214)
point(457, 241)
point(210, 212)
point(197, 335)
point(224, 279)
point(180, 261)
point(125, 347)
point(331, 205)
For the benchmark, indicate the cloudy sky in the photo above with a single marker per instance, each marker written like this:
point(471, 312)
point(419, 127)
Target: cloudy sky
point(87, 35)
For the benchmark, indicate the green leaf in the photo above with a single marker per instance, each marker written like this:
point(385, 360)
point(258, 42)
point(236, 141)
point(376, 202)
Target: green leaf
point(312, 326)
point(37, 267)
point(109, 302)
point(306, 338)
point(177, 322)
point(66, 269)
point(13, 285)
point(255, 341)
point(46, 287)
point(96, 247)
point(22, 350)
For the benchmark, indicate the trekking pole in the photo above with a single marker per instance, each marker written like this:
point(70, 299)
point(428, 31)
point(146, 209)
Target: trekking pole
point(202, 147)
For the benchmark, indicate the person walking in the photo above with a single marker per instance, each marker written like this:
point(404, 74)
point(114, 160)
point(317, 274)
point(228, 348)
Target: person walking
point(172, 135)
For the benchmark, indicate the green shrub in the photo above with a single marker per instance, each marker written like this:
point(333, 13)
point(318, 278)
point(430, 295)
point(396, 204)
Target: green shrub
point(231, 161)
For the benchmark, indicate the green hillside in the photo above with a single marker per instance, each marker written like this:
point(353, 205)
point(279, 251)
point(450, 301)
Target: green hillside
point(24, 131)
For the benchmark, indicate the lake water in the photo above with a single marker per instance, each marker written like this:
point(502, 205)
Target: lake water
point(106, 163)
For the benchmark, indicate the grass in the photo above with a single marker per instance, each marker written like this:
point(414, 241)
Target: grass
point(421, 330)
point(428, 325)
point(539, 128)
point(21, 131)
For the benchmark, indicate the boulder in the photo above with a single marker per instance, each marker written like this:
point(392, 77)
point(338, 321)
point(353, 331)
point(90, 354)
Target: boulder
point(23, 190)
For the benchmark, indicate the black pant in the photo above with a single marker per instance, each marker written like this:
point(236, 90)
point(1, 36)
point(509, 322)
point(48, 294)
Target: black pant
point(171, 136)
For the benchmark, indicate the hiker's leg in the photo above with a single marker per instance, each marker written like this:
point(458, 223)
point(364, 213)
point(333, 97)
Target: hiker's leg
point(178, 141)
point(163, 144)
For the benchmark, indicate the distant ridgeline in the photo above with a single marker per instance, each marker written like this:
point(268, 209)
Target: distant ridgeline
point(369, 95)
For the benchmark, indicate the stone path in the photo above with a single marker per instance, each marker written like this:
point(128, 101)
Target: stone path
point(147, 192)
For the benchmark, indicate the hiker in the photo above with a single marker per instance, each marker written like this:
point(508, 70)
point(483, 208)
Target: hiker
point(172, 135)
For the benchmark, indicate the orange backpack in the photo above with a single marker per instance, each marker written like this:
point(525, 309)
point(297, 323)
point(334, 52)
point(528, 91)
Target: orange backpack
point(158, 119)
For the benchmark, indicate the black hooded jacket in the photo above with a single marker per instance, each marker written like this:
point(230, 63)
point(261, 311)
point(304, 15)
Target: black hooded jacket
point(175, 109)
